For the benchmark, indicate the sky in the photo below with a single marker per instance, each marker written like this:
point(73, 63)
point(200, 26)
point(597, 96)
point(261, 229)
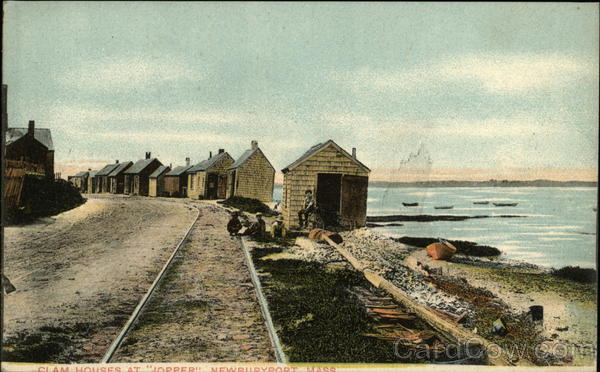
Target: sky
point(422, 90)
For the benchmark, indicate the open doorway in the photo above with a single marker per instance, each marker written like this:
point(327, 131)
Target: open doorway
point(329, 191)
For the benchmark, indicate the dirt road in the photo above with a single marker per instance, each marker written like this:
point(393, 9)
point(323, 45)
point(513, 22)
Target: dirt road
point(80, 274)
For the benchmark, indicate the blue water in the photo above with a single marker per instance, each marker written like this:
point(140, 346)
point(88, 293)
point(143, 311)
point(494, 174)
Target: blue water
point(558, 227)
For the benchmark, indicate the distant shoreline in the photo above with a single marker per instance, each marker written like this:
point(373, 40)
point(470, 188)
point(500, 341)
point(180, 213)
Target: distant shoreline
point(491, 183)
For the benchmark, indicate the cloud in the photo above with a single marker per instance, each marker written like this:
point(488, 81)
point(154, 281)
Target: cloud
point(506, 74)
point(127, 74)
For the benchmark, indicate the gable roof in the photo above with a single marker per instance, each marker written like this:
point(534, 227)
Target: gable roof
point(107, 169)
point(81, 174)
point(317, 148)
point(92, 173)
point(160, 170)
point(178, 171)
point(120, 168)
point(246, 156)
point(209, 163)
point(140, 165)
point(42, 135)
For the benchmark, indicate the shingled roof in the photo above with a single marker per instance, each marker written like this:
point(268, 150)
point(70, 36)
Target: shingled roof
point(107, 169)
point(318, 147)
point(139, 166)
point(43, 135)
point(81, 174)
point(160, 170)
point(178, 171)
point(247, 155)
point(208, 163)
point(119, 169)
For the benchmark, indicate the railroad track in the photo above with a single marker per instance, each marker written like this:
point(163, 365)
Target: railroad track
point(139, 308)
point(130, 326)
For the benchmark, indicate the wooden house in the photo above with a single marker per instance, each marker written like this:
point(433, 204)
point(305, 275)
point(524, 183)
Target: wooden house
point(116, 178)
point(80, 181)
point(251, 176)
point(176, 180)
point(137, 177)
point(208, 179)
point(157, 181)
point(92, 182)
point(32, 149)
point(102, 179)
point(338, 181)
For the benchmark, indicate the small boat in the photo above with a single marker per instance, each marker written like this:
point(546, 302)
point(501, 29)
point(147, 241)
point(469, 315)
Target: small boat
point(410, 204)
point(482, 202)
point(506, 204)
point(444, 207)
point(440, 251)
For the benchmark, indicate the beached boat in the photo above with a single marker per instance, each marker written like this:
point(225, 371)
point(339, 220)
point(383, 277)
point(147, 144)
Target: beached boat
point(482, 202)
point(410, 204)
point(440, 251)
point(506, 204)
point(444, 207)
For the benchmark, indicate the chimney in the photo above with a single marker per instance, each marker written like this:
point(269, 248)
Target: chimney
point(148, 155)
point(354, 153)
point(117, 161)
point(31, 127)
point(89, 169)
point(254, 145)
point(210, 154)
point(221, 151)
point(187, 162)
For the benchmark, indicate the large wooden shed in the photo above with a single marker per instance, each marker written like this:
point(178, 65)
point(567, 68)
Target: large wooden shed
point(80, 181)
point(337, 179)
point(116, 178)
point(176, 181)
point(33, 148)
point(208, 179)
point(157, 184)
point(137, 177)
point(251, 176)
point(102, 181)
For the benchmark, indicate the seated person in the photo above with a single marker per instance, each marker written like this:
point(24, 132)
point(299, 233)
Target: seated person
point(258, 228)
point(278, 229)
point(234, 225)
point(307, 210)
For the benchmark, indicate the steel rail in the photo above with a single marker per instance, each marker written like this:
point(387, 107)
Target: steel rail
point(264, 306)
point(134, 316)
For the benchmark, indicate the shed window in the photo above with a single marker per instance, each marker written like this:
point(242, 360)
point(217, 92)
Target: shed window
point(192, 181)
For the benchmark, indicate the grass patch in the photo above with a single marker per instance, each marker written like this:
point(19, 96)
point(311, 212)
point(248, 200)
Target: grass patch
point(576, 273)
point(462, 247)
point(317, 318)
point(248, 205)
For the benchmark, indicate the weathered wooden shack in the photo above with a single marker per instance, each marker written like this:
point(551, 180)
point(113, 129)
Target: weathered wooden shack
point(338, 181)
point(116, 178)
point(157, 181)
point(80, 180)
point(137, 177)
point(251, 176)
point(208, 179)
point(102, 181)
point(92, 182)
point(32, 148)
point(176, 180)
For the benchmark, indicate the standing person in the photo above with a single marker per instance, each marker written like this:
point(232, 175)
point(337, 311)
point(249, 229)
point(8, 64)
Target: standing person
point(308, 208)
point(234, 225)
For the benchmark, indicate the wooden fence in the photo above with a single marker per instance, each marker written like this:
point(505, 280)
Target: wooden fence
point(14, 179)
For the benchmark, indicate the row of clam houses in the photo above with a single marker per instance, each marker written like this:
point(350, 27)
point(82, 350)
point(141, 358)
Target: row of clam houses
point(218, 177)
point(336, 178)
